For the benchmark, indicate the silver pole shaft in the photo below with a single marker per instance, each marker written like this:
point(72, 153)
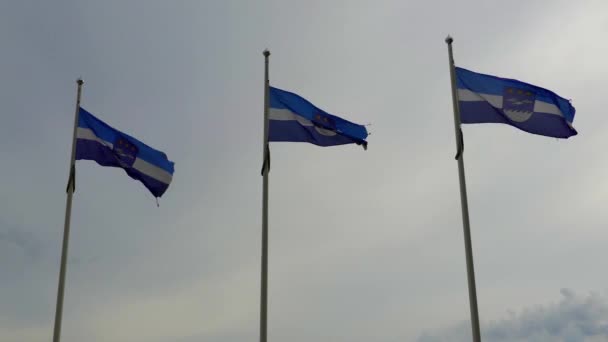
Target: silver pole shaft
point(265, 170)
point(66, 227)
point(464, 202)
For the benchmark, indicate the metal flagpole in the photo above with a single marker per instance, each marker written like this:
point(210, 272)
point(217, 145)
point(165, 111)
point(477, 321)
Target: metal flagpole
point(463, 201)
point(265, 170)
point(66, 227)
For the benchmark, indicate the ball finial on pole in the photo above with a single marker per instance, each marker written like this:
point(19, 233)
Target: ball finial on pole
point(449, 39)
point(266, 53)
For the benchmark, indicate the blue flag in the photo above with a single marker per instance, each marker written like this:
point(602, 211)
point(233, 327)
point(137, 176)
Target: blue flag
point(490, 99)
point(97, 141)
point(292, 118)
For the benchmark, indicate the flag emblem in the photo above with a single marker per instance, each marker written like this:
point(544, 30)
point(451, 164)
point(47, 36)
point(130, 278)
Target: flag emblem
point(518, 104)
point(125, 152)
point(324, 124)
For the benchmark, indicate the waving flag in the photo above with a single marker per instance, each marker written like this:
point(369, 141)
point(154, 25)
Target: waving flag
point(293, 118)
point(97, 141)
point(490, 99)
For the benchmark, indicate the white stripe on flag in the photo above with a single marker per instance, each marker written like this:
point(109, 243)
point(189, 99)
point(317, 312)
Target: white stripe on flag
point(544, 107)
point(466, 95)
point(152, 171)
point(279, 114)
point(88, 134)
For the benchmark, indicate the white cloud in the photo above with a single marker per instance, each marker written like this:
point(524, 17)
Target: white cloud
point(576, 318)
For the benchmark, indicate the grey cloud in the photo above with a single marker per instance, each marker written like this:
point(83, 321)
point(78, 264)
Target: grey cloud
point(364, 245)
point(33, 247)
point(575, 318)
point(27, 242)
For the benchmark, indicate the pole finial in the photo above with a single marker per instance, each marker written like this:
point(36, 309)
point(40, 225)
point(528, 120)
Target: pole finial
point(79, 81)
point(266, 53)
point(449, 39)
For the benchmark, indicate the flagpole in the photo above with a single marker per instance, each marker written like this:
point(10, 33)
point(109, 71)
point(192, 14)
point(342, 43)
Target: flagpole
point(265, 170)
point(66, 227)
point(463, 201)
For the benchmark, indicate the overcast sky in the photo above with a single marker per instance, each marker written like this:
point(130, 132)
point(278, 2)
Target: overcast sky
point(364, 245)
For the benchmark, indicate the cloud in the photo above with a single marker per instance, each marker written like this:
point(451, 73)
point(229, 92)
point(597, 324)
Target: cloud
point(575, 318)
point(27, 242)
